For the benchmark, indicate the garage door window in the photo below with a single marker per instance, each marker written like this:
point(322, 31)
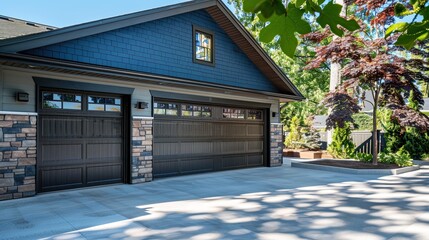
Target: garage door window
point(107, 104)
point(254, 114)
point(165, 109)
point(234, 113)
point(55, 100)
point(196, 111)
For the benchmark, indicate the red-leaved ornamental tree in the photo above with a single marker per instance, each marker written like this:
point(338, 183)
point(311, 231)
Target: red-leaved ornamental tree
point(369, 65)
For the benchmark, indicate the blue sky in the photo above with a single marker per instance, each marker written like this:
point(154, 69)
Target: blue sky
point(61, 13)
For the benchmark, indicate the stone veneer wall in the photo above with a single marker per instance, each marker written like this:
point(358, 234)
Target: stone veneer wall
point(141, 161)
point(276, 131)
point(17, 155)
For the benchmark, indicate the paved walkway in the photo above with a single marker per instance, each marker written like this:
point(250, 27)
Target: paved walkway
point(260, 203)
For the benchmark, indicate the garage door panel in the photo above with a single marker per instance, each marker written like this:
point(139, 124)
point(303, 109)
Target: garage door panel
point(233, 130)
point(83, 147)
point(227, 138)
point(230, 162)
point(166, 149)
point(234, 147)
point(165, 129)
point(53, 179)
point(255, 130)
point(194, 129)
point(62, 153)
point(255, 146)
point(104, 151)
point(104, 174)
point(255, 160)
point(166, 167)
point(194, 165)
point(60, 127)
point(196, 148)
point(104, 127)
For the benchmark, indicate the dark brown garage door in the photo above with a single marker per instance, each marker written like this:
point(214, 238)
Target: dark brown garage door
point(191, 138)
point(81, 139)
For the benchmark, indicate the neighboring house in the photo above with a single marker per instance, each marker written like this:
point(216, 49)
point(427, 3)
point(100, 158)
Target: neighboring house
point(13, 27)
point(175, 90)
point(319, 122)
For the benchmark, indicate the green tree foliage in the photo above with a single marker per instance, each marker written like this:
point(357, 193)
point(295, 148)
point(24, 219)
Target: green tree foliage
point(370, 64)
point(416, 142)
point(398, 138)
point(362, 121)
point(294, 137)
point(418, 64)
point(313, 84)
point(410, 32)
point(393, 133)
point(342, 145)
point(283, 22)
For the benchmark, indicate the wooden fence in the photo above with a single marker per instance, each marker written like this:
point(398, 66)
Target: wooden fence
point(361, 139)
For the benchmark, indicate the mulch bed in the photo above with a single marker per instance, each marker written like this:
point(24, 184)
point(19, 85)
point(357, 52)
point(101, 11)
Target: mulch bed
point(353, 164)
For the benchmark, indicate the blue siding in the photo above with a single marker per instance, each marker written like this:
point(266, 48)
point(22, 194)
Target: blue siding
point(164, 47)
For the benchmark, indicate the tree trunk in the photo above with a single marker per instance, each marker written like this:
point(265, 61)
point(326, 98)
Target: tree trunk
point(335, 77)
point(374, 130)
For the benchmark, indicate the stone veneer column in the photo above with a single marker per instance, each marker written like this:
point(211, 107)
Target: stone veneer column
point(276, 131)
point(17, 155)
point(141, 163)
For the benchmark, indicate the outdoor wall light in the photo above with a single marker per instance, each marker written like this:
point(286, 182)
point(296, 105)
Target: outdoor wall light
point(274, 114)
point(22, 97)
point(141, 105)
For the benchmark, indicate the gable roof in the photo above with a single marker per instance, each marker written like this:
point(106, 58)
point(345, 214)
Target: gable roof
point(14, 27)
point(217, 10)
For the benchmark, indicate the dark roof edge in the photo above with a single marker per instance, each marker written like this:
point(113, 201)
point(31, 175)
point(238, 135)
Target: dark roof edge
point(35, 62)
point(13, 45)
point(14, 19)
point(258, 48)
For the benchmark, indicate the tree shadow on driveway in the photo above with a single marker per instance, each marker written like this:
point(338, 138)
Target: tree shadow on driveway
point(259, 203)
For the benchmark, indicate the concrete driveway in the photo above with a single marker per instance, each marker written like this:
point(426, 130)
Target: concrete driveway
point(259, 203)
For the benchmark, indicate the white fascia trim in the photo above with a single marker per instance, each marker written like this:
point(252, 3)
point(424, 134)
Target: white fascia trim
point(141, 117)
point(18, 113)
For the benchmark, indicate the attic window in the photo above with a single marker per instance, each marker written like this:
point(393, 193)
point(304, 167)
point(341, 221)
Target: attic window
point(203, 46)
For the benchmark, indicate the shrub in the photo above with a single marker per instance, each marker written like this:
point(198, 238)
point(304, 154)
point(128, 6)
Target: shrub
point(364, 157)
point(415, 143)
point(311, 140)
point(342, 145)
point(387, 158)
point(294, 135)
point(393, 131)
point(403, 158)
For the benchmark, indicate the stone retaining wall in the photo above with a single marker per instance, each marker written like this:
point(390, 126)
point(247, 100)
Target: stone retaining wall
point(276, 156)
point(17, 156)
point(141, 162)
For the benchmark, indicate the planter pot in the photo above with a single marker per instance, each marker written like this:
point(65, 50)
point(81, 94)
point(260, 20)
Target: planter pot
point(310, 154)
point(289, 154)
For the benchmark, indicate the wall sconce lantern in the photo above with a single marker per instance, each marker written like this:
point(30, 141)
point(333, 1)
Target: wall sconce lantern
point(22, 97)
point(141, 105)
point(274, 114)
